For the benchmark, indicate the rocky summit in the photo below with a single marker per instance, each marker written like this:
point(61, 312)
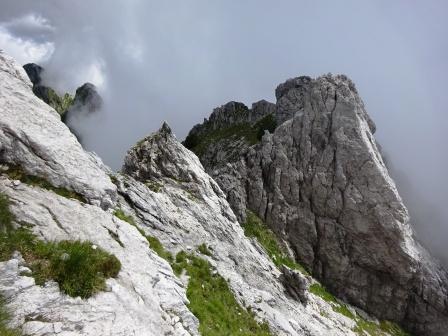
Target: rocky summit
point(320, 183)
point(281, 220)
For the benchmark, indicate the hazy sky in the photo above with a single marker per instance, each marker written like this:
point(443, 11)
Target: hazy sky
point(177, 60)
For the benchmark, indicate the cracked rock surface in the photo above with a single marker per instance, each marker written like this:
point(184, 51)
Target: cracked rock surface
point(188, 209)
point(320, 183)
point(144, 299)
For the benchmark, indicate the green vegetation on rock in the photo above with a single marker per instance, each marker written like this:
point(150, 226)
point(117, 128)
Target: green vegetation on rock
point(60, 103)
point(251, 134)
point(213, 303)
point(17, 173)
point(120, 214)
point(4, 319)
point(363, 327)
point(153, 242)
point(154, 186)
point(80, 268)
point(203, 249)
point(255, 227)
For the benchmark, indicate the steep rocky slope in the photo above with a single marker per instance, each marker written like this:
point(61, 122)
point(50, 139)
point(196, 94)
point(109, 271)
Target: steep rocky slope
point(163, 205)
point(320, 183)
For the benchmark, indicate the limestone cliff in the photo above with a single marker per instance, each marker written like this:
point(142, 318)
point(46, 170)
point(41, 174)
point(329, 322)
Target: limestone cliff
point(320, 183)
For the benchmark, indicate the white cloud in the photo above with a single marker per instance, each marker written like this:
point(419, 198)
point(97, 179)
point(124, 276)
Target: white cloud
point(25, 51)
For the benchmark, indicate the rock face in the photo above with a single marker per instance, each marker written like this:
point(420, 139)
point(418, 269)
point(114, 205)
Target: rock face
point(188, 209)
point(145, 299)
point(87, 101)
point(33, 137)
point(46, 93)
point(320, 183)
point(34, 72)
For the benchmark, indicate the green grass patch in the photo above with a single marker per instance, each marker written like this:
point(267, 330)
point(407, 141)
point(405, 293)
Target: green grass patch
point(120, 214)
point(154, 243)
point(154, 186)
point(4, 319)
point(321, 291)
point(17, 173)
point(393, 329)
point(203, 249)
point(255, 227)
point(80, 268)
point(60, 103)
point(213, 303)
point(342, 309)
point(362, 325)
point(6, 217)
point(251, 134)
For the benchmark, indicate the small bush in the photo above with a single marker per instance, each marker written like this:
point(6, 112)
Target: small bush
point(213, 303)
point(267, 123)
point(254, 227)
point(17, 173)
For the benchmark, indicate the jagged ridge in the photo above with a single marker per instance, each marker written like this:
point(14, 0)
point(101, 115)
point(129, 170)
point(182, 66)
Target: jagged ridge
point(320, 183)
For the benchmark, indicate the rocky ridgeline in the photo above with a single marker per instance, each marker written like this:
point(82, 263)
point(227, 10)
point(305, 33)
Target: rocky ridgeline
point(164, 195)
point(86, 102)
point(320, 183)
point(163, 205)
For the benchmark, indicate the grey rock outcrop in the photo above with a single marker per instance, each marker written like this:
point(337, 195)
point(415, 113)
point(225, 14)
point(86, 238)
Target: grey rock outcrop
point(34, 72)
point(297, 284)
point(33, 137)
point(188, 209)
point(87, 101)
point(144, 299)
point(320, 183)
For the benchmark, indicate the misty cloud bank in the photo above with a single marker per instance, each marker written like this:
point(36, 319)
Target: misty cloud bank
point(177, 60)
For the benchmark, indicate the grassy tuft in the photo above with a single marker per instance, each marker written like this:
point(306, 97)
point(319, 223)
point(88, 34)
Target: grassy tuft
point(154, 243)
point(157, 246)
point(120, 214)
point(79, 268)
point(154, 186)
point(203, 249)
point(363, 327)
point(4, 319)
point(6, 217)
point(392, 328)
point(213, 303)
point(321, 291)
point(17, 173)
point(254, 227)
